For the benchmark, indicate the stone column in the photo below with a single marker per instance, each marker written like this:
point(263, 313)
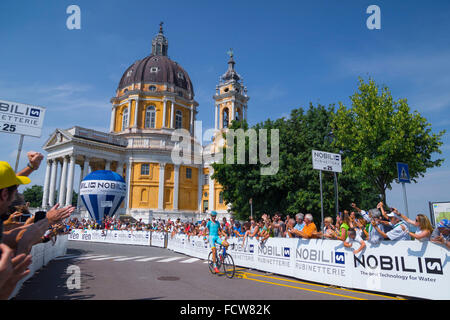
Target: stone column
point(128, 177)
point(46, 185)
point(245, 113)
point(63, 183)
point(79, 201)
point(172, 115)
point(191, 128)
point(120, 168)
point(69, 191)
point(51, 200)
point(200, 188)
point(113, 119)
point(216, 114)
point(108, 165)
point(211, 190)
point(161, 186)
point(233, 110)
point(176, 186)
point(136, 113)
point(164, 113)
point(85, 168)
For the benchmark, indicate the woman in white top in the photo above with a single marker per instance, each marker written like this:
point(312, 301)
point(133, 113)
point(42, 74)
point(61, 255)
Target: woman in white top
point(423, 225)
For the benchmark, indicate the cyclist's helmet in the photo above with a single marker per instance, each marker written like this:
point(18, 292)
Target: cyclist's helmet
point(213, 213)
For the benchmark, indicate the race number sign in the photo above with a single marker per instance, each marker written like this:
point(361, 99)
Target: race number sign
point(20, 118)
point(326, 161)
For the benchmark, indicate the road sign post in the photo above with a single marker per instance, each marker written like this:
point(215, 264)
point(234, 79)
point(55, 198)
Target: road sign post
point(326, 161)
point(403, 177)
point(321, 202)
point(19, 150)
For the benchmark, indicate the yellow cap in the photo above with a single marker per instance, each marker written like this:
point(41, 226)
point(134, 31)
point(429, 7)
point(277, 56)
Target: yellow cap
point(8, 177)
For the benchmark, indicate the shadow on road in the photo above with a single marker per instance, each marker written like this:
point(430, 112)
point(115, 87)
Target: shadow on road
point(51, 282)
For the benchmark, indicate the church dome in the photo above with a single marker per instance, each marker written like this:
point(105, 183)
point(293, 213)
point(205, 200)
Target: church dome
point(157, 68)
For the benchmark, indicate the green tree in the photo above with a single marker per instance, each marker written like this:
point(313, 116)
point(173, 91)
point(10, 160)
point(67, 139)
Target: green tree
point(377, 132)
point(295, 187)
point(33, 195)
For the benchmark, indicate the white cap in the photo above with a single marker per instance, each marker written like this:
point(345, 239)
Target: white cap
point(393, 214)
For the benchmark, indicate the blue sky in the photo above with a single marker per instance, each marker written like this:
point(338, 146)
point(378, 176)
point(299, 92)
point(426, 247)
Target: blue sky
point(289, 53)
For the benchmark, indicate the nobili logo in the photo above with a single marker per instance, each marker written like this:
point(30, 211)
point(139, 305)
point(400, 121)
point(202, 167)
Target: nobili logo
point(274, 251)
point(339, 257)
point(307, 254)
point(35, 112)
point(432, 265)
point(252, 248)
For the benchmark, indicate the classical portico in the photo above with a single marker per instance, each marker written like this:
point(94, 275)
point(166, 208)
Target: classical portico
point(89, 149)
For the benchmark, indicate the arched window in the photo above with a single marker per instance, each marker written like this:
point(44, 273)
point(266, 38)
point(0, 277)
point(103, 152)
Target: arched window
point(125, 119)
point(221, 197)
point(225, 118)
point(178, 119)
point(150, 117)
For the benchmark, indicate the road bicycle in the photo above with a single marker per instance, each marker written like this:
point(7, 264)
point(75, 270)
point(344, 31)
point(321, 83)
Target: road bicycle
point(224, 261)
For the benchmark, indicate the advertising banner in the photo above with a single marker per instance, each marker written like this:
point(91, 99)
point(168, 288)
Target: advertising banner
point(158, 239)
point(275, 255)
point(322, 261)
point(243, 253)
point(409, 268)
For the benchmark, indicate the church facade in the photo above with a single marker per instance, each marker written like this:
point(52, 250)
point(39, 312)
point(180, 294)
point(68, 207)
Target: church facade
point(154, 98)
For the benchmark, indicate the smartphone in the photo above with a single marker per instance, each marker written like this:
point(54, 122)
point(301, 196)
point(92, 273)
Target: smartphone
point(39, 215)
point(24, 217)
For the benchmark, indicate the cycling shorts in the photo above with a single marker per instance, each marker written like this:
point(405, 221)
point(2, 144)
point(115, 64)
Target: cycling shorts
point(213, 240)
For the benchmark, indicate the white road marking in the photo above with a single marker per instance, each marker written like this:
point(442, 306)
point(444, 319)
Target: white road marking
point(90, 257)
point(106, 258)
point(170, 259)
point(129, 258)
point(149, 259)
point(189, 260)
point(67, 257)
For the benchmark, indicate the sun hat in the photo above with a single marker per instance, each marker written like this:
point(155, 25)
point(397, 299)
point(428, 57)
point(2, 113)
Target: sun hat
point(8, 177)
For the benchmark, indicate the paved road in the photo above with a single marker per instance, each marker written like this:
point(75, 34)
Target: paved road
point(110, 271)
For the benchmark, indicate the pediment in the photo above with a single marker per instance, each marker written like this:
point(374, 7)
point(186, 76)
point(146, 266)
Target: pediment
point(58, 137)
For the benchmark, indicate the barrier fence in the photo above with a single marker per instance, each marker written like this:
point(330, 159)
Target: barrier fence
point(42, 254)
point(409, 268)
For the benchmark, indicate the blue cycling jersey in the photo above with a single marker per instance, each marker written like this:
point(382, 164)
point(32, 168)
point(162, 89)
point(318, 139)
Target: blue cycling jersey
point(213, 228)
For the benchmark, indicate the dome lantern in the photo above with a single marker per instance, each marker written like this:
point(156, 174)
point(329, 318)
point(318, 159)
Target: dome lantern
point(160, 44)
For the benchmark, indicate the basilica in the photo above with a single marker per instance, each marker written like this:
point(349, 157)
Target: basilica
point(154, 97)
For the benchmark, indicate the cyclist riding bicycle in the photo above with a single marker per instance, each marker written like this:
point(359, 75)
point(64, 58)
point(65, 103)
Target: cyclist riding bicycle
point(214, 229)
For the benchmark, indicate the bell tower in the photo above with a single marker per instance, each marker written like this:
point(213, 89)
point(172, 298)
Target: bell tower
point(230, 98)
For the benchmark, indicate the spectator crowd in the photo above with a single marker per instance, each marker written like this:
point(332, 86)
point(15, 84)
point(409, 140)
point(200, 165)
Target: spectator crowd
point(19, 229)
point(372, 226)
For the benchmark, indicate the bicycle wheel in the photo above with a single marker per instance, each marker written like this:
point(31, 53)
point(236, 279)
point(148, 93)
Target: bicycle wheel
point(228, 266)
point(211, 263)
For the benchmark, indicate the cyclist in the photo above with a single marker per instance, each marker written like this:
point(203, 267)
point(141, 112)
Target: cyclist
point(214, 229)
